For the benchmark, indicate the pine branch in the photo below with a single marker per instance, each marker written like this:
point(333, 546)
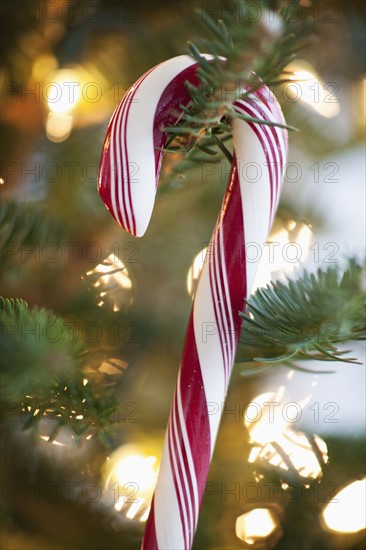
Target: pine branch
point(245, 55)
point(306, 318)
point(42, 373)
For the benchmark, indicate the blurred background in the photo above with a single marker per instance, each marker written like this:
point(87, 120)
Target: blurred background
point(66, 65)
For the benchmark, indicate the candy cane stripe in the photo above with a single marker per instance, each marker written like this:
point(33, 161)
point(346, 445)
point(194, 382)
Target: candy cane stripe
point(266, 111)
point(177, 476)
point(149, 105)
point(217, 266)
point(165, 498)
point(218, 311)
point(264, 134)
point(236, 278)
point(185, 469)
point(227, 302)
point(134, 136)
point(150, 541)
point(118, 156)
point(272, 133)
point(187, 488)
point(267, 152)
point(266, 101)
point(278, 133)
point(194, 491)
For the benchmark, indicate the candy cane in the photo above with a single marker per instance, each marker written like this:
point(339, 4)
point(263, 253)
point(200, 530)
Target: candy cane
point(247, 212)
point(131, 159)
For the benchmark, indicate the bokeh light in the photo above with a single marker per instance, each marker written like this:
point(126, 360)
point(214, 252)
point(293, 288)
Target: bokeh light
point(346, 513)
point(309, 89)
point(133, 473)
point(257, 526)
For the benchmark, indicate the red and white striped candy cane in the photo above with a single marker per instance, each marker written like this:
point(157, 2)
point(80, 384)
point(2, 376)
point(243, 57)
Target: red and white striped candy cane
point(128, 175)
point(130, 163)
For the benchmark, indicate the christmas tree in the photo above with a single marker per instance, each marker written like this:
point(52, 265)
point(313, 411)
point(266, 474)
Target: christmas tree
point(93, 320)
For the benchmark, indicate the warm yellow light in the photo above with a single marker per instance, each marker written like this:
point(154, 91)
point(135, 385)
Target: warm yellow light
point(136, 469)
point(301, 454)
point(133, 475)
point(263, 418)
point(112, 272)
point(256, 525)
point(110, 264)
point(270, 425)
point(298, 450)
point(63, 91)
point(54, 442)
point(134, 508)
point(312, 91)
point(113, 366)
point(347, 511)
point(58, 127)
point(195, 271)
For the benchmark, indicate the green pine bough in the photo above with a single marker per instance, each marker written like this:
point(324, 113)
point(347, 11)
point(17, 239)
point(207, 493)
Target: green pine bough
point(42, 374)
point(253, 56)
point(304, 319)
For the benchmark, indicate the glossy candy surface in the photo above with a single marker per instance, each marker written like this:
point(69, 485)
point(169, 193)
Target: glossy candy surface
point(127, 183)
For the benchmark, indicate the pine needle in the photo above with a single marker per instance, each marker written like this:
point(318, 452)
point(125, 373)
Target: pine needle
point(305, 319)
point(241, 48)
point(41, 373)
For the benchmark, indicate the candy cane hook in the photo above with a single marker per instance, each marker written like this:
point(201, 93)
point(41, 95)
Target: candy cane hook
point(214, 326)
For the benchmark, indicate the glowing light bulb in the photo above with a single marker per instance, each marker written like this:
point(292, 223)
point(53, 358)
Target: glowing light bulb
point(132, 476)
point(346, 513)
point(137, 469)
point(110, 276)
point(256, 526)
point(273, 439)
